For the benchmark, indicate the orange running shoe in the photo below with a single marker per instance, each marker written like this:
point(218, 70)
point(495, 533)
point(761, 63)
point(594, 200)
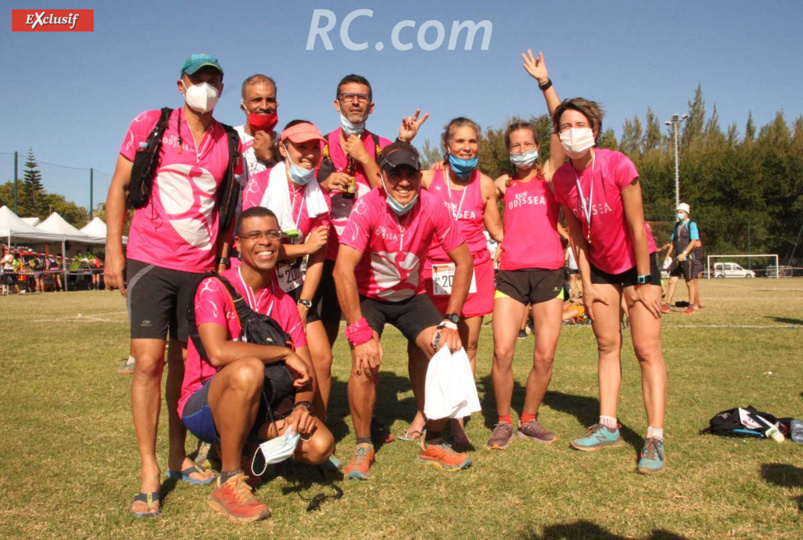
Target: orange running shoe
point(235, 500)
point(438, 452)
point(359, 468)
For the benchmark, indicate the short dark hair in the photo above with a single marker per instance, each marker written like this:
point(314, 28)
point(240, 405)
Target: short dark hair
point(254, 79)
point(359, 79)
point(254, 211)
point(590, 109)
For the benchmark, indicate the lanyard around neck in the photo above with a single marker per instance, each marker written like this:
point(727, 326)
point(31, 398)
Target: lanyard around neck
point(251, 298)
point(449, 188)
point(587, 206)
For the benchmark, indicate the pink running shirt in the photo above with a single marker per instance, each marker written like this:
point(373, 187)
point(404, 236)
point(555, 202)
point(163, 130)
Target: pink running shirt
point(531, 231)
point(611, 248)
point(214, 305)
point(471, 207)
point(394, 248)
point(178, 227)
point(341, 208)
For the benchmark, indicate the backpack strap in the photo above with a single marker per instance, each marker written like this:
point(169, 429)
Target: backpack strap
point(146, 162)
point(229, 191)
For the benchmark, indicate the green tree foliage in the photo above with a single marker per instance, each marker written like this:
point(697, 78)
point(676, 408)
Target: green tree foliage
point(30, 199)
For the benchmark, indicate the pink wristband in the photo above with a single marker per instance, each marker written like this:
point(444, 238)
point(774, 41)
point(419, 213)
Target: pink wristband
point(359, 332)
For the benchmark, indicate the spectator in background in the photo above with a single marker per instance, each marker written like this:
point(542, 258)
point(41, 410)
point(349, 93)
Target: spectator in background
point(684, 239)
point(9, 277)
point(697, 253)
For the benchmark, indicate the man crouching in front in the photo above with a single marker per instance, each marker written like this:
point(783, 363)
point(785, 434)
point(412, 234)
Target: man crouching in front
point(224, 398)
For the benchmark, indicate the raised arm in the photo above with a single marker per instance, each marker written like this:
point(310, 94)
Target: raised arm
point(537, 69)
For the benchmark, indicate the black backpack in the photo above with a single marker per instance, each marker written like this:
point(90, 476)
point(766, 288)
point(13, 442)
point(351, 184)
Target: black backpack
point(146, 161)
point(729, 423)
point(259, 329)
point(327, 167)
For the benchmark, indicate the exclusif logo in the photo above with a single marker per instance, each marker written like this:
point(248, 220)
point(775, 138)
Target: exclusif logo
point(53, 20)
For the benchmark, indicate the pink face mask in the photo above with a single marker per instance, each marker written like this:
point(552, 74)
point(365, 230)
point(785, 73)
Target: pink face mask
point(263, 122)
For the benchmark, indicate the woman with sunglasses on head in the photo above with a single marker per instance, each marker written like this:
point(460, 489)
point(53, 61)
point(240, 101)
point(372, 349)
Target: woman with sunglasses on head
point(290, 190)
point(601, 195)
point(530, 270)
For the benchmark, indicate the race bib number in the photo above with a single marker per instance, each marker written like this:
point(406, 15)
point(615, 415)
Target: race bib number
point(289, 277)
point(443, 277)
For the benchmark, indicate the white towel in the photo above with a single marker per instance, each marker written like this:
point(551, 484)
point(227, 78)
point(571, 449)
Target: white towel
point(277, 198)
point(450, 389)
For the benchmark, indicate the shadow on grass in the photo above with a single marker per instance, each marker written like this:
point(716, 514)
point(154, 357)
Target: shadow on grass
point(581, 530)
point(786, 320)
point(784, 475)
point(388, 409)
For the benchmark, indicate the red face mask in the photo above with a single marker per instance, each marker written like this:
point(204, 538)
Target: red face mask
point(263, 122)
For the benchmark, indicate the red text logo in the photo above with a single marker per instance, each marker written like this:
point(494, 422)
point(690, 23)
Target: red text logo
point(53, 20)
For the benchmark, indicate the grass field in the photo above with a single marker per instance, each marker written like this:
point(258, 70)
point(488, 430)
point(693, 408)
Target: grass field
point(70, 467)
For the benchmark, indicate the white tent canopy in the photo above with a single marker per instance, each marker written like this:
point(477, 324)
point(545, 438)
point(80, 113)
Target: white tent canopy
point(96, 227)
point(56, 224)
point(32, 221)
point(11, 226)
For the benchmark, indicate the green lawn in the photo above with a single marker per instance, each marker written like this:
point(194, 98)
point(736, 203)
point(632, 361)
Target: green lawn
point(70, 466)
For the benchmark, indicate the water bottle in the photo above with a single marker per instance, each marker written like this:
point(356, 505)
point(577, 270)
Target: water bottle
point(796, 427)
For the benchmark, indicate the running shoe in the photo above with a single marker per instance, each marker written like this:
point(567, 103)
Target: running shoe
point(501, 436)
point(666, 308)
point(688, 311)
point(359, 468)
point(439, 453)
point(597, 438)
point(235, 500)
point(127, 367)
point(536, 432)
point(652, 457)
point(522, 334)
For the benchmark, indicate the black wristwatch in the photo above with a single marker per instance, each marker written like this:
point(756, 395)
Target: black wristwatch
point(452, 317)
point(306, 303)
point(546, 86)
point(306, 404)
point(646, 278)
point(224, 260)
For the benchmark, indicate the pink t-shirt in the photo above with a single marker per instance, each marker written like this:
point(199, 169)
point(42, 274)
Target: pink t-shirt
point(393, 247)
point(611, 248)
point(531, 227)
point(255, 190)
point(467, 208)
point(214, 305)
point(341, 207)
point(178, 227)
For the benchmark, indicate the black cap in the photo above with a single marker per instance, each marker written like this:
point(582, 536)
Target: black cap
point(400, 154)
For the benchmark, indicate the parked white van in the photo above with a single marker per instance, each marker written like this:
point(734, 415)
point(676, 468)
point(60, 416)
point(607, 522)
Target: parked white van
point(731, 270)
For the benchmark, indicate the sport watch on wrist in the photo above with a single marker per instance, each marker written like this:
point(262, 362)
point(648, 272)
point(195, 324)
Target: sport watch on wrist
point(646, 278)
point(452, 317)
point(306, 303)
point(306, 404)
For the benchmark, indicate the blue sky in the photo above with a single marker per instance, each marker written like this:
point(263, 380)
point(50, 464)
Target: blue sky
point(70, 96)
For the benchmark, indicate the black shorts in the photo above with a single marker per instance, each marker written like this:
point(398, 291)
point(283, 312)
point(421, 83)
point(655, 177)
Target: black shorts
point(682, 268)
point(325, 303)
point(312, 314)
point(158, 299)
point(530, 285)
point(411, 316)
point(627, 278)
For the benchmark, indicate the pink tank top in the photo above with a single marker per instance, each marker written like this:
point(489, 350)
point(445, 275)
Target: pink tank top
point(467, 207)
point(531, 233)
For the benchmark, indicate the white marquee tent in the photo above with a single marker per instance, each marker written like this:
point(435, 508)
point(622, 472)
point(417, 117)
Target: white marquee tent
point(57, 224)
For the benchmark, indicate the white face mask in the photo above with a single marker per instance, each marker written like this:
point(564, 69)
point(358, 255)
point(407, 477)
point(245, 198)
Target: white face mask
point(576, 141)
point(201, 98)
point(351, 129)
point(275, 451)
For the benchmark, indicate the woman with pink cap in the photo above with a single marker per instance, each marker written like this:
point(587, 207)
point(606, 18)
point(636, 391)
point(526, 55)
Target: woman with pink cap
point(290, 190)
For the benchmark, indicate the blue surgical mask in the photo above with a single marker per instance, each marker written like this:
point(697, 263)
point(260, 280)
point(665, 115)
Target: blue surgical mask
point(398, 208)
point(681, 216)
point(462, 167)
point(299, 175)
point(351, 129)
point(524, 160)
point(275, 450)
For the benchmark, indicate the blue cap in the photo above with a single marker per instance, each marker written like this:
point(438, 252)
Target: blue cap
point(194, 62)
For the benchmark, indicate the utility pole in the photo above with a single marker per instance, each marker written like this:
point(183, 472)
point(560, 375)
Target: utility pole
point(675, 123)
point(91, 184)
point(16, 158)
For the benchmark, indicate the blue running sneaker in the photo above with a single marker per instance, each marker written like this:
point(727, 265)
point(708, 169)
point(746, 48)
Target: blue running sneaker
point(597, 438)
point(652, 457)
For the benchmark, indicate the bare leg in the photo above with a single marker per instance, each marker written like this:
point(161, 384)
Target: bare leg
point(670, 295)
point(646, 332)
point(609, 345)
point(547, 318)
point(507, 314)
point(417, 370)
point(322, 364)
point(362, 398)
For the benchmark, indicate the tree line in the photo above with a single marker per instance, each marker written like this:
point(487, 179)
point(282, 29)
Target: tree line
point(744, 185)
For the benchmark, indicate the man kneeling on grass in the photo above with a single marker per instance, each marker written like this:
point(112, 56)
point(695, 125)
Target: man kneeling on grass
point(378, 281)
point(224, 398)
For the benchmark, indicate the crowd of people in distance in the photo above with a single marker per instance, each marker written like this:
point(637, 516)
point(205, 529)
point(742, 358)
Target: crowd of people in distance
point(27, 272)
point(349, 225)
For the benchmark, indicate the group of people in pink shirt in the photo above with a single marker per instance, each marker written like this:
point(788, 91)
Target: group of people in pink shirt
point(348, 225)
